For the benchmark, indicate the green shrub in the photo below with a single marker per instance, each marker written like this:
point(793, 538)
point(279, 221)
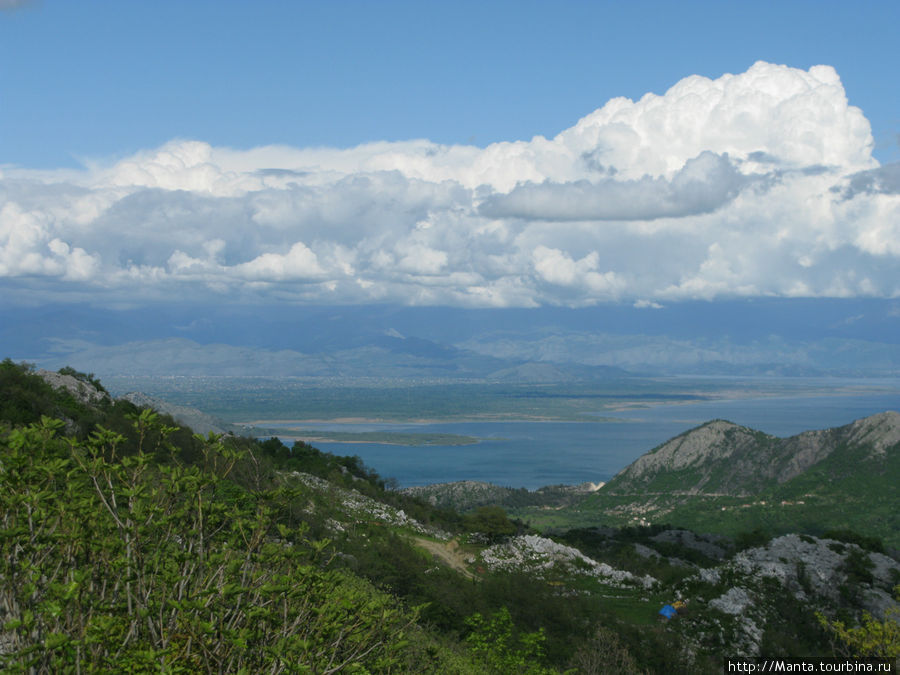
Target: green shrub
point(116, 563)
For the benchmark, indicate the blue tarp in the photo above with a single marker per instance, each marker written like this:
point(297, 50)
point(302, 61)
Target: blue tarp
point(668, 611)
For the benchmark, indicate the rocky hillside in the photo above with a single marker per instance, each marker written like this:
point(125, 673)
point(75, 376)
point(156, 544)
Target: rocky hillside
point(722, 458)
point(81, 388)
point(201, 422)
point(727, 479)
point(87, 391)
point(744, 601)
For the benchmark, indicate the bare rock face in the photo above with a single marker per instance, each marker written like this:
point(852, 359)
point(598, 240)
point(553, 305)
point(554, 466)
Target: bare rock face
point(882, 431)
point(718, 439)
point(816, 568)
point(541, 556)
point(81, 390)
point(718, 457)
point(819, 573)
point(734, 601)
point(199, 421)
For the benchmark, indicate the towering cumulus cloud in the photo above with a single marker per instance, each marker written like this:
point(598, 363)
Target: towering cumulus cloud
point(761, 183)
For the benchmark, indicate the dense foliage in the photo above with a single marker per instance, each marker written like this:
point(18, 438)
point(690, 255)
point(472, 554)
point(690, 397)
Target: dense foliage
point(129, 544)
point(116, 563)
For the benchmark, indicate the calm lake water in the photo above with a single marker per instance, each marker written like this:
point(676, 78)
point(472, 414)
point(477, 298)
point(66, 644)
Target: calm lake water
point(533, 454)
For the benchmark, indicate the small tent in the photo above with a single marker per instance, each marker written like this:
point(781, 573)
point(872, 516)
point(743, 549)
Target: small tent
point(668, 611)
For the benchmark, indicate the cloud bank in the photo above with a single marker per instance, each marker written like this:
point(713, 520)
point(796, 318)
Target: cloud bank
point(755, 184)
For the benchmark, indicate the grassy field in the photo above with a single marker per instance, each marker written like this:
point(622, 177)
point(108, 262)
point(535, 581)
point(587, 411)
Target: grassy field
point(871, 511)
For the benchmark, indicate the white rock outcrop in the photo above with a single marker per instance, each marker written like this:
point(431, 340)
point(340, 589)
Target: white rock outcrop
point(811, 566)
point(83, 391)
point(534, 554)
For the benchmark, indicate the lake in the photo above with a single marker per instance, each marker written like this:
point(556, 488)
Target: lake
point(533, 454)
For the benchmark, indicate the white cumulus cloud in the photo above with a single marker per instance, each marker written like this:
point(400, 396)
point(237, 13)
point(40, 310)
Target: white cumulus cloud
point(756, 183)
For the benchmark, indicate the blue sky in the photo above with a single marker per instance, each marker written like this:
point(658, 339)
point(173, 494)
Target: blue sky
point(93, 80)
point(499, 154)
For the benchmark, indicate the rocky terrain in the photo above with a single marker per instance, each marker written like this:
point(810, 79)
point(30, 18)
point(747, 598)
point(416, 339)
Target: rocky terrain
point(546, 558)
point(735, 601)
point(199, 421)
point(81, 389)
point(356, 507)
point(722, 458)
point(817, 569)
point(817, 574)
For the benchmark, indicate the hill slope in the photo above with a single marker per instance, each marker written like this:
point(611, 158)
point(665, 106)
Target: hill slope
point(157, 549)
point(721, 477)
point(721, 458)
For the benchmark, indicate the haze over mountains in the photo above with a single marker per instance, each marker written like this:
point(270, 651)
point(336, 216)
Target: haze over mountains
point(662, 235)
point(769, 336)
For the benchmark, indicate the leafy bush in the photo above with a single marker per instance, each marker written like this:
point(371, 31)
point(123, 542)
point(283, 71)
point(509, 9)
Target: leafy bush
point(871, 638)
point(605, 654)
point(118, 563)
point(495, 642)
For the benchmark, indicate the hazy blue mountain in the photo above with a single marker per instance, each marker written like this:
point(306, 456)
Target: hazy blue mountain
point(773, 336)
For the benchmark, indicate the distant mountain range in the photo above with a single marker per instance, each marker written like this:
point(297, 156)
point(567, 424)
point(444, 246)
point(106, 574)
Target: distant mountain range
point(740, 337)
point(388, 358)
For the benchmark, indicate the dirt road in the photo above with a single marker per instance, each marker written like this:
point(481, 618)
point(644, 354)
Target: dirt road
point(448, 553)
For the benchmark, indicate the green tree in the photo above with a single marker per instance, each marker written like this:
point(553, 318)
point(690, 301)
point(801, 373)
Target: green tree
point(491, 521)
point(495, 642)
point(871, 638)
